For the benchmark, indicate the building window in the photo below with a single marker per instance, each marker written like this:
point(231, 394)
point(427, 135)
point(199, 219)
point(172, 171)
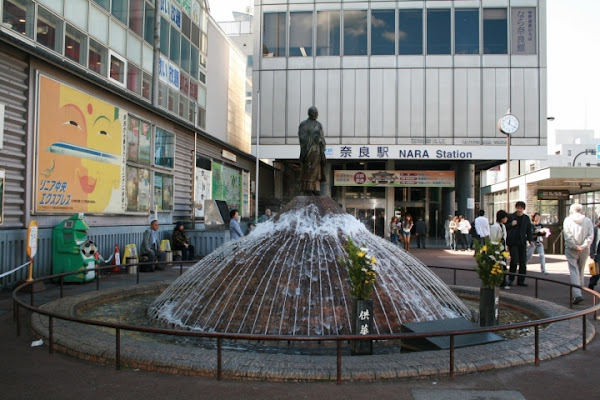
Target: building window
point(164, 36)
point(117, 69)
point(186, 25)
point(174, 47)
point(104, 4)
point(185, 55)
point(97, 58)
point(301, 34)
point(164, 148)
point(194, 59)
point(355, 33)
point(410, 32)
point(75, 45)
point(146, 85)
point(274, 36)
point(18, 16)
point(163, 191)
point(383, 32)
point(438, 31)
point(250, 61)
point(49, 30)
point(134, 79)
point(328, 33)
point(149, 23)
point(466, 31)
point(136, 16)
point(495, 30)
point(119, 10)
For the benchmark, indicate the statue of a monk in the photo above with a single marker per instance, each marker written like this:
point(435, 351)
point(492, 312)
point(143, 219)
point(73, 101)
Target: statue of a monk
point(312, 153)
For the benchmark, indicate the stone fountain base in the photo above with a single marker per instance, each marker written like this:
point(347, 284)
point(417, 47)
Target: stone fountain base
point(98, 345)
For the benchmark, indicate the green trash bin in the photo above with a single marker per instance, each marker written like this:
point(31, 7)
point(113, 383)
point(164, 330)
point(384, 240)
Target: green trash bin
point(67, 239)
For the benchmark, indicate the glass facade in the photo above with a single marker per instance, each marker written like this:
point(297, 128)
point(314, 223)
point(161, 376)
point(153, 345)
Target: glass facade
point(126, 27)
point(384, 35)
point(495, 31)
point(328, 33)
point(410, 32)
point(383, 32)
point(466, 31)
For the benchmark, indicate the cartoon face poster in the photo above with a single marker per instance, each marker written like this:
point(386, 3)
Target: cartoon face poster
point(81, 150)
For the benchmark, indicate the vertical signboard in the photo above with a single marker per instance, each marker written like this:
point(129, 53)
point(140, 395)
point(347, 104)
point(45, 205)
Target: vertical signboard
point(523, 34)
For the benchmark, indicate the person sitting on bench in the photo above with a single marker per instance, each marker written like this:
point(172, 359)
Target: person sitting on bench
point(151, 245)
point(181, 242)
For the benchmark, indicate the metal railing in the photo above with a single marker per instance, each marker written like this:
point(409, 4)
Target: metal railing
point(338, 339)
point(561, 242)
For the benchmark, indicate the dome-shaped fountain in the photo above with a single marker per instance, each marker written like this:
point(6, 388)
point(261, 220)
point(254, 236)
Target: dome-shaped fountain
point(285, 279)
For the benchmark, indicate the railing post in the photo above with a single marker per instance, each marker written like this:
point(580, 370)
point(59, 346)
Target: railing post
point(118, 348)
point(537, 345)
point(219, 358)
point(50, 334)
point(584, 332)
point(339, 362)
point(451, 356)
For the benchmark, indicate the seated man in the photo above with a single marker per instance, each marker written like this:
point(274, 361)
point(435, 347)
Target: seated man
point(151, 245)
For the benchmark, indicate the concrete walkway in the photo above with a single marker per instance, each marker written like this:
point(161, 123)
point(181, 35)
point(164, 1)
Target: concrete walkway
point(30, 372)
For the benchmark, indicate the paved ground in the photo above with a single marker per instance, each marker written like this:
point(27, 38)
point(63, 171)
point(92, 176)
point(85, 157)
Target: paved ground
point(30, 372)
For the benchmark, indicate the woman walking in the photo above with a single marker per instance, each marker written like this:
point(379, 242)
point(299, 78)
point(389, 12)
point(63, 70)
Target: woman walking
point(394, 230)
point(407, 225)
point(539, 233)
point(453, 232)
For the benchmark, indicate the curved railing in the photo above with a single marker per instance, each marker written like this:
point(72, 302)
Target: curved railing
point(339, 339)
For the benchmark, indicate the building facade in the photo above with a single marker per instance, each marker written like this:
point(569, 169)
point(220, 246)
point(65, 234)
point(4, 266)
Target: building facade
point(410, 91)
point(107, 110)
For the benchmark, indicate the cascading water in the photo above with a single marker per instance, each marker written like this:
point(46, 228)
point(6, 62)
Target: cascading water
point(285, 279)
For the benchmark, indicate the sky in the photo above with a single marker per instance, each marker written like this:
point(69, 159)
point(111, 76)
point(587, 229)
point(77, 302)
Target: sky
point(573, 59)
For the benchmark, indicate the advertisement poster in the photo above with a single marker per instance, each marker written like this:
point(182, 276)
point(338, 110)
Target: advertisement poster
point(138, 189)
point(144, 143)
point(227, 186)
point(203, 190)
point(245, 193)
point(2, 175)
point(81, 152)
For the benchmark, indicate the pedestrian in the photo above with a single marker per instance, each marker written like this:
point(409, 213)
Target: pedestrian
point(447, 232)
point(234, 225)
point(266, 216)
point(181, 242)
point(518, 229)
point(595, 254)
point(498, 235)
point(539, 233)
point(421, 232)
point(394, 230)
point(579, 235)
point(455, 232)
point(250, 228)
point(482, 227)
point(407, 225)
point(464, 226)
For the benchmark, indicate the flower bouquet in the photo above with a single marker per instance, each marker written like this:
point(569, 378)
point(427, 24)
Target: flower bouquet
point(491, 263)
point(361, 270)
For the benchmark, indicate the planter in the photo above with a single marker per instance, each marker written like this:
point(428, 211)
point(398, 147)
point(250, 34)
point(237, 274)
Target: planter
point(362, 324)
point(489, 300)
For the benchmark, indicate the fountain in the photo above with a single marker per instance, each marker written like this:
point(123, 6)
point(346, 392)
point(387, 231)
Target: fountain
point(285, 278)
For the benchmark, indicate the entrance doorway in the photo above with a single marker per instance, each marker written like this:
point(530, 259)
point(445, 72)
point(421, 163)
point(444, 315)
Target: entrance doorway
point(370, 212)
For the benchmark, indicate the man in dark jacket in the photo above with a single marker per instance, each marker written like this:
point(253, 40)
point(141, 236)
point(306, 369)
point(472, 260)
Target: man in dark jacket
point(421, 231)
point(519, 235)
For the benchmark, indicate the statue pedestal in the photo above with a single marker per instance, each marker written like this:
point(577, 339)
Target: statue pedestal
point(489, 301)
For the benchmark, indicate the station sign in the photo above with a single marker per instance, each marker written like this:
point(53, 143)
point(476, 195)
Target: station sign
point(393, 178)
point(544, 194)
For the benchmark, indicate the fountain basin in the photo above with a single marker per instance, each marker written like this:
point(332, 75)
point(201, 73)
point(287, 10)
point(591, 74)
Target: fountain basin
point(140, 351)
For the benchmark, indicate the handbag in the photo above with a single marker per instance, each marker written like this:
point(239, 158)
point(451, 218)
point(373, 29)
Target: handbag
point(593, 268)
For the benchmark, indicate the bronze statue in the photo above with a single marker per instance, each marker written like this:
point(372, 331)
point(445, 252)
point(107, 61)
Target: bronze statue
point(312, 153)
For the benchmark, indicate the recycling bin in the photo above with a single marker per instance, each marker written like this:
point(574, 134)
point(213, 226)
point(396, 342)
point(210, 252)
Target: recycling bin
point(71, 251)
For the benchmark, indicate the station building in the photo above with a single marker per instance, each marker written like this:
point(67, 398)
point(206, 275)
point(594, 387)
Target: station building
point(409, 94)
point(114, 109)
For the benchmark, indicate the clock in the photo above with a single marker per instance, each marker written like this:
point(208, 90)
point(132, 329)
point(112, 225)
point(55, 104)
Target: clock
point(508, 124)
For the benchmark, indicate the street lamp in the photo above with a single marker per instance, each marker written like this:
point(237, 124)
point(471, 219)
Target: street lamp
point(507, 125)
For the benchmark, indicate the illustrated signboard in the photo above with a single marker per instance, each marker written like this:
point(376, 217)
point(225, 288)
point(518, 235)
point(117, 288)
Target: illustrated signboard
point(81, 152)
point(394, 178)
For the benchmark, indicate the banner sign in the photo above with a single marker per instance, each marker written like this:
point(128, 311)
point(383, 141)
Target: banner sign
point(544, 194)
point(523, 30)
point(81, 152)
point(393, 178)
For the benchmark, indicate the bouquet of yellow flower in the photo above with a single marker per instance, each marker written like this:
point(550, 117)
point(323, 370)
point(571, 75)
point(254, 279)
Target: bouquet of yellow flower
point(361, 269)
point(491, 263)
